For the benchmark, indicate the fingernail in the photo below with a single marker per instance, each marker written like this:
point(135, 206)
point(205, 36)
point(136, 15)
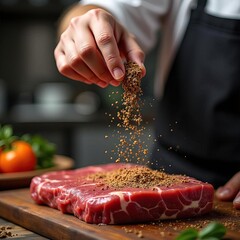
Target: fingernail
point(225, 192)
point(118, 73)
point(237, 200)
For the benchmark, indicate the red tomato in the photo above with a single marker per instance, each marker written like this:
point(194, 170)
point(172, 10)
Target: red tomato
point(0, 162)
point(19, 158)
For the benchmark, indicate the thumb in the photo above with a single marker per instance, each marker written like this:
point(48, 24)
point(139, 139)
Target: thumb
point(230, 189)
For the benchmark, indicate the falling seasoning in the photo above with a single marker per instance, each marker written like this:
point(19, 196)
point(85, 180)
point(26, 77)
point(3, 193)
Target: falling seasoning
point(130, 147)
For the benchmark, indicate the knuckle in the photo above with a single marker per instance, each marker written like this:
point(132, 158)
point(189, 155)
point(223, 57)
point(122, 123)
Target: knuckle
point(96, 13)
point(111, 60)
point(93, 12)
point(63, 69)
point(74, 21)
point(86, 50)
point(104, 38)
point(63, 38)
point(73, 60)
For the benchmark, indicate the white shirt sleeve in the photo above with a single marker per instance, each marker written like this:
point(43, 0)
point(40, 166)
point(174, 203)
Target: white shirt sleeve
point(140, 17)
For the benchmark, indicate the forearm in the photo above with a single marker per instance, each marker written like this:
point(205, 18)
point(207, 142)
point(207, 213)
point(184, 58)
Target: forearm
point(73, 11)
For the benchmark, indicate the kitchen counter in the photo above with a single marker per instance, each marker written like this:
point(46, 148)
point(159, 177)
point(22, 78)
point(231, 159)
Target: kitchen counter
point(17, 207)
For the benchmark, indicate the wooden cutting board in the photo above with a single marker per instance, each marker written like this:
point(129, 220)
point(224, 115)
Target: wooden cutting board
point(18, 207)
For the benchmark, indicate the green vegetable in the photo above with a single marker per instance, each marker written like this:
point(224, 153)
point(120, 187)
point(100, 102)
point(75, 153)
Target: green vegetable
point(213, 231)
point(6, 136)
point(43, 149)
point(189, 234)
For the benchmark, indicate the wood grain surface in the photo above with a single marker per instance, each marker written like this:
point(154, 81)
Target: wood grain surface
point(10, 230)
point(18, 207)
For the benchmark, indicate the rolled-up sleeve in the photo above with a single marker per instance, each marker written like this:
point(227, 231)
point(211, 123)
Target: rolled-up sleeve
point(140, 17)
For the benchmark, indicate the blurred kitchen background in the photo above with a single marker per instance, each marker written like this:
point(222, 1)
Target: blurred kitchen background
point(35, 98)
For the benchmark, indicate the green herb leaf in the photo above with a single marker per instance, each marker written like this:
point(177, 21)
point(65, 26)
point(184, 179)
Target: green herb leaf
point(43, 149)
point(6, 137)
point(213, 230)
point(189, 234)
point(7, 131)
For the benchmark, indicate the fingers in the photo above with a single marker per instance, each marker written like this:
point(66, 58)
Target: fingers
point(64, 69)
point(236, 201)
point(230, 191)
point(93, 47)
point(87, 51)
point(107, 43)
point(70, 63)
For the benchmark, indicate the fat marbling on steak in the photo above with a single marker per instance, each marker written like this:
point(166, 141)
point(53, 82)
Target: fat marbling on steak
point(84, 193)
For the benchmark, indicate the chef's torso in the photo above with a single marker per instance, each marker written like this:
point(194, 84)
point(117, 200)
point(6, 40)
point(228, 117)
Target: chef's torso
point(198, 127)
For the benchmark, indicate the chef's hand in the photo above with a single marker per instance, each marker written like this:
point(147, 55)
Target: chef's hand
point(93, 47)
point(230, 191)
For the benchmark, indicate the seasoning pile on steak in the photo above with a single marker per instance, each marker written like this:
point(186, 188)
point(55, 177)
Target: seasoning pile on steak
point(94, 200)
point(137, 177)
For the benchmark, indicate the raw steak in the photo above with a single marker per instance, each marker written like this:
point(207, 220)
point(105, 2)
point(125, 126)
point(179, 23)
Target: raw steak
point(92, 201)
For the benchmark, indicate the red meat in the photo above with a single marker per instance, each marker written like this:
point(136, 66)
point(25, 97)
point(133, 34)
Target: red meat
point(93, 202)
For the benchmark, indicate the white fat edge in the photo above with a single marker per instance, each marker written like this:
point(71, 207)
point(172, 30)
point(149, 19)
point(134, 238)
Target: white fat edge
point(121, 195)
point(39, 188)
point(96, 169)
point(123, 203)
point(78, 194)
point(90, 200)
point(194, 204)
point(67, 176)
point(89, 184)
point(163, 215)
point(199, 200)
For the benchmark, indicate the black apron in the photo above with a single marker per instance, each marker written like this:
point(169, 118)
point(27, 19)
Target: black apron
point(198, 125)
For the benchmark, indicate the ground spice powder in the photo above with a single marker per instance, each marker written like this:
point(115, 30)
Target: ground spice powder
point(137, 177)
point(5, 232)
